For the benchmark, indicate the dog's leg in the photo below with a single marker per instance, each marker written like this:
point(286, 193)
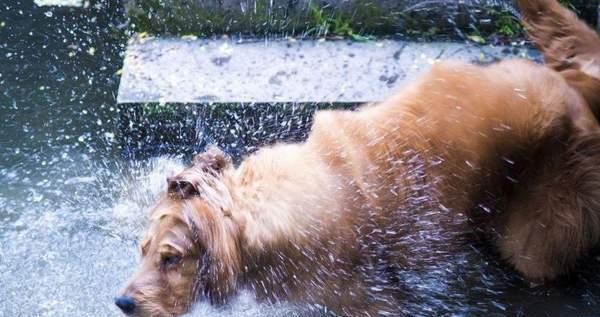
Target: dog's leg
point(565, 41)
point(554, 217)
point(568, 44)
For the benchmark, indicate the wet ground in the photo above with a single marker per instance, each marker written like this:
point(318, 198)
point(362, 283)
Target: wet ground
point(61, 252)
point(73, 202)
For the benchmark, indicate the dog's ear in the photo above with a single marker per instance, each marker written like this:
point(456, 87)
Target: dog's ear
point(186, 184)
point(213, 160)
point(181, 188)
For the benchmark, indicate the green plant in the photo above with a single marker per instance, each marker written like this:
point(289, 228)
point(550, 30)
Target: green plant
point(569, 4)
point(476, 37)
point(153, 109)
point(507, 24)
point(319, 22)
point(331, 23)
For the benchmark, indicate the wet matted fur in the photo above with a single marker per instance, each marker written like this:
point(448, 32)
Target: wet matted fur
point(512, 149)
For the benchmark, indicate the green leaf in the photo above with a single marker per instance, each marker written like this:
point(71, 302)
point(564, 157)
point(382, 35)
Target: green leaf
point(476, 38)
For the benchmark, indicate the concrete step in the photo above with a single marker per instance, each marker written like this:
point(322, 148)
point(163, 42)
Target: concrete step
point(178, 95)
point(230, 71)
point(60, 3)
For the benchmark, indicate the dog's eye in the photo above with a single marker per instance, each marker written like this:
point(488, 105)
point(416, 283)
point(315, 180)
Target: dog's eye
point(169, 260)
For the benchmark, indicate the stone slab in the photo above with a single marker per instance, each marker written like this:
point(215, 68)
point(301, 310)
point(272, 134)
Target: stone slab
point(228, 71)
point(60, 3)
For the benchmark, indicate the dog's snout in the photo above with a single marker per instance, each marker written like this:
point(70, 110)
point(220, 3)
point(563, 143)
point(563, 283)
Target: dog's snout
point(126, 304)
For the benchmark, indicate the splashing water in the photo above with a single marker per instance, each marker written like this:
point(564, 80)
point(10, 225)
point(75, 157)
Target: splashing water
point(244, 305)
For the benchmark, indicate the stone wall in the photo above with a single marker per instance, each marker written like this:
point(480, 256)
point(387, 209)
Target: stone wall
point(411, 18)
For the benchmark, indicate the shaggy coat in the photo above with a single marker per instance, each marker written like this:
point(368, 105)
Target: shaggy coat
point(511, 149)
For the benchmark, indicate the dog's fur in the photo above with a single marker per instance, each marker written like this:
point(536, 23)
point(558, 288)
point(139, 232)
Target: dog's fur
point(512, 149)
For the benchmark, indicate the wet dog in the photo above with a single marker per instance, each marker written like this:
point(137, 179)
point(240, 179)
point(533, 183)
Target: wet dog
point(512, 149)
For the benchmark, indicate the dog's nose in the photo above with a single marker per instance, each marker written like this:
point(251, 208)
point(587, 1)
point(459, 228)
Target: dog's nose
point(126, 304)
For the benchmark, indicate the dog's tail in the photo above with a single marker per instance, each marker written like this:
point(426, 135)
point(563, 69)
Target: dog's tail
point(569, 46)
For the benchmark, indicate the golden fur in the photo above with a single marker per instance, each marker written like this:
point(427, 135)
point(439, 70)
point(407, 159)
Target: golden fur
point(512, 148)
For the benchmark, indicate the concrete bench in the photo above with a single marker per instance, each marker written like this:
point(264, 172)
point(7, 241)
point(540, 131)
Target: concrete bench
point(232, 71)
point(176, 95)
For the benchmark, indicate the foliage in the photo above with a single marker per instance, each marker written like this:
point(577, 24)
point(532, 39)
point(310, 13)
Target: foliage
point(331, 23)
point(152, 109)
point(507, 24)
point(503, 23)
point(358, 19)
point(260, 17)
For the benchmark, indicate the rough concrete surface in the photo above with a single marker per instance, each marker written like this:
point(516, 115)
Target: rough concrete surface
point(194, 71)
point(68, 3)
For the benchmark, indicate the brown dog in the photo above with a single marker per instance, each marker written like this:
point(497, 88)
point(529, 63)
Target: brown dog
point(512, 148)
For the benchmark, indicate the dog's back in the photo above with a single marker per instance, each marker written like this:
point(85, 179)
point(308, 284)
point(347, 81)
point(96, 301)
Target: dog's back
point(515, 137)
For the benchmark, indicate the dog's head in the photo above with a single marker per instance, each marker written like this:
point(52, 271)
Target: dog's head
point(191, 250)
